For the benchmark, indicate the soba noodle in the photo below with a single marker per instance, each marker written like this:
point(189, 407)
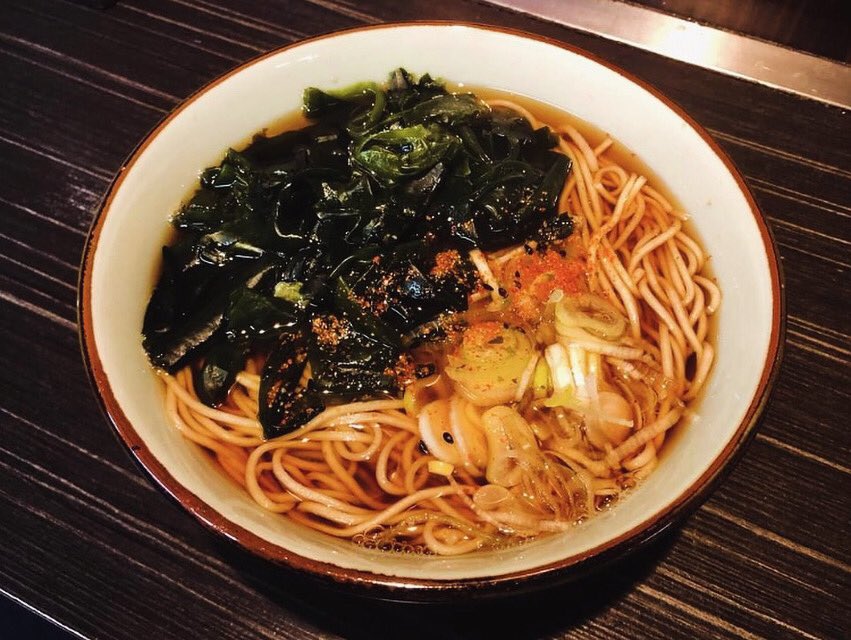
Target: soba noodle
point(360, 471)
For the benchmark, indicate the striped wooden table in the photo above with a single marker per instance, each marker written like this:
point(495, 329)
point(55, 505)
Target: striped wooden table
point(89, 543)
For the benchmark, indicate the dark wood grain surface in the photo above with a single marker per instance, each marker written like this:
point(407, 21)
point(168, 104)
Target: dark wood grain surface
point(89, 542)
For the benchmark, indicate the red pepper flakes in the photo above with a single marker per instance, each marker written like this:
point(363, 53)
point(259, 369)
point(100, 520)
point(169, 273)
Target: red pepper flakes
point(405, 370)
point(532, 279)
point(445, 263)
point(481, 333)
point(329, 330)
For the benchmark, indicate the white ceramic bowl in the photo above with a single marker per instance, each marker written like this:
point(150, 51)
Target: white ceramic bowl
point(123, 255)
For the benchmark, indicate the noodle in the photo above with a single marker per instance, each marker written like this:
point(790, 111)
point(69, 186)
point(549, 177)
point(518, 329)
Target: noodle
point(359, 470)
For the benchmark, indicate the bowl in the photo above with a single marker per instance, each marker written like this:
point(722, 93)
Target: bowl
point(122, 258)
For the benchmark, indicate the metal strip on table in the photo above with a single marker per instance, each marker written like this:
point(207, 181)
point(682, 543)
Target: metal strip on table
point(707, 47)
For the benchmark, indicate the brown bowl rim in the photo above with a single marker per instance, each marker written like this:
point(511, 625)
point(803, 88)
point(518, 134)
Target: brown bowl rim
point(416, 589)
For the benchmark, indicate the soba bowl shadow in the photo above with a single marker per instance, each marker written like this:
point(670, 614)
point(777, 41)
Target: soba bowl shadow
point(348, 613)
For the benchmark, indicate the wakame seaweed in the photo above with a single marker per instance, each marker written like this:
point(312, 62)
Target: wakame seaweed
point(320, 247)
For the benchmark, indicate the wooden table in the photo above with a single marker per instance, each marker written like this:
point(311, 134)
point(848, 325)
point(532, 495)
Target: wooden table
point(88, 542)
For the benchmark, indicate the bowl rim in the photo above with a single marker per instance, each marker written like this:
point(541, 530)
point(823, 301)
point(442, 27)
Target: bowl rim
point(410, 588)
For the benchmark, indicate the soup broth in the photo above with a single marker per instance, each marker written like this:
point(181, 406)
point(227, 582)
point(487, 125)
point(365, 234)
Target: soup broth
point(455, 319)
